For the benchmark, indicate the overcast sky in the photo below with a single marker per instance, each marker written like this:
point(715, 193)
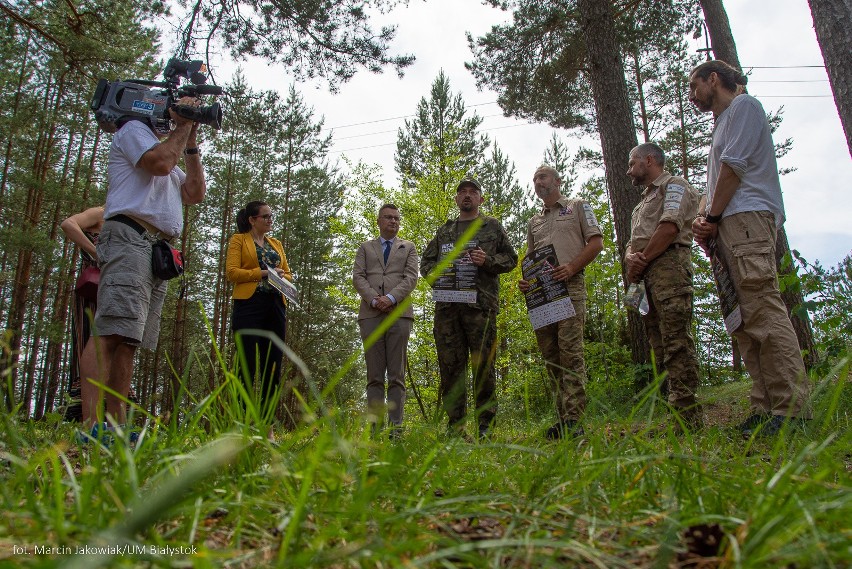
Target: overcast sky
point(775, 37)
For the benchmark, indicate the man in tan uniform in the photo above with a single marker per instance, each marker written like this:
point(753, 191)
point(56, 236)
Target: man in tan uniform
point(660, 253)
point(571, 227)
point(741, 213)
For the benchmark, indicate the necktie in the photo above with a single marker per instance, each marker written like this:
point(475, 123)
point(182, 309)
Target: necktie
point(387, 251)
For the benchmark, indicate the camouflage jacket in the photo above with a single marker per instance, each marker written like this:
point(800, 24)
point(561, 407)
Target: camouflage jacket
point(500, 257)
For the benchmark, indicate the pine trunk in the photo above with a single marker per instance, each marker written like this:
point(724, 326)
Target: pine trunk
point(617, 132)
point(831, 21)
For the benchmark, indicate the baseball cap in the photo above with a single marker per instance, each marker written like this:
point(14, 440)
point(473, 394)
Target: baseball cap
point(469, 182)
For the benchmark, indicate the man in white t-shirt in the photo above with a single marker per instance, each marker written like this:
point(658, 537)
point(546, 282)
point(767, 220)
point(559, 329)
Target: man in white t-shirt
point(741, 214)
point(144, 203)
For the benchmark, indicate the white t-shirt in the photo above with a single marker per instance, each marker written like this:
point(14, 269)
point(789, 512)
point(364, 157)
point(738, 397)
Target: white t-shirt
point(133, 191)
point(741, 139)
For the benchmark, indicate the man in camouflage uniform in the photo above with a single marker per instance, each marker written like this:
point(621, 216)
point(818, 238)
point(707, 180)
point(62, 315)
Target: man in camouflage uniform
point(571, 227)
point(463, 329)
point(660, 253)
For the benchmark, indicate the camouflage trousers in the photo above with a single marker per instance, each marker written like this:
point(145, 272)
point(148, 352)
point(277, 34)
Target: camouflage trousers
point(668, 282)
point(561, 344)
point(767, 340)
point(463, 332)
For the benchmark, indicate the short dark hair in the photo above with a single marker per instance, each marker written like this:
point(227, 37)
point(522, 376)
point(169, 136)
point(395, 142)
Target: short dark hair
point(653, 150)
point(251, 210)
point(729, 75)
point(387, 206)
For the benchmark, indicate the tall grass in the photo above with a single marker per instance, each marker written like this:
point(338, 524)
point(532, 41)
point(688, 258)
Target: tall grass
point(328, 495)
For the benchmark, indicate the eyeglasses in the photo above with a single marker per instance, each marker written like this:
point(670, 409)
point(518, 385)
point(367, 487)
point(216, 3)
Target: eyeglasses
point(267, 217)
point(391, 218)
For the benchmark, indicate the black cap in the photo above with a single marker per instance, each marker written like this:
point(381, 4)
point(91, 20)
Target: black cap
point(469, 182)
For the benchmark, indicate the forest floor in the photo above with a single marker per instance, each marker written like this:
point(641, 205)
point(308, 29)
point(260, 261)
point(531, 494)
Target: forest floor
point(635, 491)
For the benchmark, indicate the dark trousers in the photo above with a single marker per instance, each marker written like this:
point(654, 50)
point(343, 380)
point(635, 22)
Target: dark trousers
point(463, 333)
point(263, 311)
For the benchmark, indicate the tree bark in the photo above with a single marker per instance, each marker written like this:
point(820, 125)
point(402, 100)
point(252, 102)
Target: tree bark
point(831, 22)
point(617, 132)
point(719, 28)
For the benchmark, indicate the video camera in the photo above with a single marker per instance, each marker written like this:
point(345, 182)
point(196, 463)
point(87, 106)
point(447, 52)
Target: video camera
point(151, 100)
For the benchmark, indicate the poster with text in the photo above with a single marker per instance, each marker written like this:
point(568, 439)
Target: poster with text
point(458, 281)
point(725, 286)
point(547, 299)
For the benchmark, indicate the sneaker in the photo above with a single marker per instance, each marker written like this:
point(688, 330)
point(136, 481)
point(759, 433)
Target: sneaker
point(395, 432)
point(772, 426)
point(748, 426)
point(561, 429)
point(100, 433)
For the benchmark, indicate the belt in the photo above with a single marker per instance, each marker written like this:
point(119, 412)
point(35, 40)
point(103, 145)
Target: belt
point(138, 227)
point(678, 246)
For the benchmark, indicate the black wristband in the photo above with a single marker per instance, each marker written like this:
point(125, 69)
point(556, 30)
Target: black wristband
point(713, 218)
point(191, 150)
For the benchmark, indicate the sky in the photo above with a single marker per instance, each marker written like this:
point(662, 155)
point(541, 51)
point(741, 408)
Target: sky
point(774, 37)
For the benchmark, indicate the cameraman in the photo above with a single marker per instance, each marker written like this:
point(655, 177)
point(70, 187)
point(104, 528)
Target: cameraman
point(144, 203)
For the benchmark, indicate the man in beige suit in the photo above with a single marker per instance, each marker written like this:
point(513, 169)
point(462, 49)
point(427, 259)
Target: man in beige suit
point(385, 273)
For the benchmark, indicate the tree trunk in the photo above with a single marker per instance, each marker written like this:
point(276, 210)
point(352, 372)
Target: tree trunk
point(724, 48)
point(831, 21)
point(719, 28)
point(618, 134)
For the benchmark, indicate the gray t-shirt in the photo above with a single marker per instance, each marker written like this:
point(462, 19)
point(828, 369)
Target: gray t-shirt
point(741, 139)
point(133, 191)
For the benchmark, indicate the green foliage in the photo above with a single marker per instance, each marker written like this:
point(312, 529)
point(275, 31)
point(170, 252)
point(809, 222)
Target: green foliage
point(441, 140)
point(828, 294)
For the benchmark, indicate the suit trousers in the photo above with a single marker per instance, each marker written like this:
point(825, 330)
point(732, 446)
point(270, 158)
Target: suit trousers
point(766, 337)
point(386, 357)
point(262, 311)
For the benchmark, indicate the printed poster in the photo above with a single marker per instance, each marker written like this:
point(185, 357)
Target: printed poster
point(458, 281)
point(283, 286)
point(547, 299)
point(725, 286)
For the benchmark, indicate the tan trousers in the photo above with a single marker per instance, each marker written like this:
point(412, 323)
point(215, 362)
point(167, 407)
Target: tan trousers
point(386, 356)
point(766, 338)
point(561, 344)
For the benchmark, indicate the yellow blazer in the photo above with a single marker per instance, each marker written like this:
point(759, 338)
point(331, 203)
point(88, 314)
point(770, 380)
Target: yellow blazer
point(242, 267)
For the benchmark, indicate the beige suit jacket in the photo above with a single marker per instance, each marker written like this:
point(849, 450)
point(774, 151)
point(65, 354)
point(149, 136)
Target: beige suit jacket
point(373, 278)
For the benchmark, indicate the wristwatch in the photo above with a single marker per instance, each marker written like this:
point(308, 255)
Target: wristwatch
point(191, 150)
point(713, 218)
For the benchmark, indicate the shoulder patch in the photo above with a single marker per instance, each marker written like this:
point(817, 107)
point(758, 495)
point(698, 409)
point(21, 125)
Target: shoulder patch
point(591, 220)
point(674, 195)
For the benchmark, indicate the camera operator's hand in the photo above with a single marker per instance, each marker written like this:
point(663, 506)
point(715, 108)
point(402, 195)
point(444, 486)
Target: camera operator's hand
point(184, 102)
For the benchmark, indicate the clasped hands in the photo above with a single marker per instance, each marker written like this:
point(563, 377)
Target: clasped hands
point(636, 265)
point(703, 231)
point(383, 303)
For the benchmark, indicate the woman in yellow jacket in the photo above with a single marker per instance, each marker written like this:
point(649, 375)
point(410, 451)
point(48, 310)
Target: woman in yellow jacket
point(257, 305)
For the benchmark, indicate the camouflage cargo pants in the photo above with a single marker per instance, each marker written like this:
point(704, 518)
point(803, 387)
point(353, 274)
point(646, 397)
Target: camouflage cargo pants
point(668, 282)
point(465, 332)
point(561, 344)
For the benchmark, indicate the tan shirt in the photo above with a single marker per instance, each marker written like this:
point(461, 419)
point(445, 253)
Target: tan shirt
point(567, 225)
point(668, 198)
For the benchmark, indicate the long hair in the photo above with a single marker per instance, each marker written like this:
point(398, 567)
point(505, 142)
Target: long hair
point(251, 209)
point(729, 76)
